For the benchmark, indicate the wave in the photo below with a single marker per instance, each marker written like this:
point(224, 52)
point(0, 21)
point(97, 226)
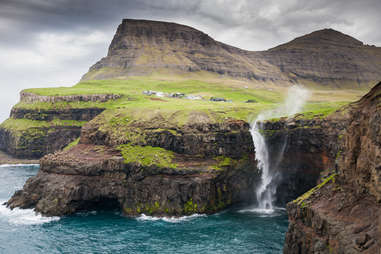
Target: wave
point(18, 165)
point(23, 216)
point(276, 211)
point(144, 217)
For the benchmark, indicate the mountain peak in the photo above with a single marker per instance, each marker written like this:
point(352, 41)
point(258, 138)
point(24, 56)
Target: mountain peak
point(324, 37)
point(133, 33)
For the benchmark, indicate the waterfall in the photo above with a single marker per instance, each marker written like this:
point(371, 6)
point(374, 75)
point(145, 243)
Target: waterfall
point(295, 100)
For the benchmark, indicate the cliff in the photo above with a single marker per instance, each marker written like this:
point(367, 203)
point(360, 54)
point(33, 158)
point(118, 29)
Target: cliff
point(40, 125)
point(159, 163)
point(155, 169)
point(325, 57)
point(342, 214)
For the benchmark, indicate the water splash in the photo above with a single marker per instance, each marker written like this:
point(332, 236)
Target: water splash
point(23, 216)
point(295, 100)
point(144, 217)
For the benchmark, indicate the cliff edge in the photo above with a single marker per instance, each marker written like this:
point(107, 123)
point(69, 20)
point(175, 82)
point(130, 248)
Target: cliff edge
point(342, 213)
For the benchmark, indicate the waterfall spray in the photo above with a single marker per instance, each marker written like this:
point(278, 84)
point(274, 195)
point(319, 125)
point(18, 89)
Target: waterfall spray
point(296, 98)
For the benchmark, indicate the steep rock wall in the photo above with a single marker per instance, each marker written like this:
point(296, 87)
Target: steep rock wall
point(33, 131)
point(342, 215)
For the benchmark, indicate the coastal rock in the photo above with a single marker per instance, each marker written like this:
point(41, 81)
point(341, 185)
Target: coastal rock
point(302, 150)
point(32, 132)
point(95, 177)
point(342, 214)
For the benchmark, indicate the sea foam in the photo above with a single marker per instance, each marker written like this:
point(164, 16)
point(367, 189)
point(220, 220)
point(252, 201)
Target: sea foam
point(23, 216)
point(144, 217)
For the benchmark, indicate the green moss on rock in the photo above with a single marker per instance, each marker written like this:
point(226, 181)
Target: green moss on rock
point(301, 201)
point(147, 156)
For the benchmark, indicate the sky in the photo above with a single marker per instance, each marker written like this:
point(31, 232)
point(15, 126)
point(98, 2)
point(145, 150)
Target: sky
point(46, 43)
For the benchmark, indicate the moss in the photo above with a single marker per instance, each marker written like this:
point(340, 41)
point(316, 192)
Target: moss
point(24, 124)
point(338, 154)
point(223, 162)
point(147, 156)
point(190, 207)
point(301, 201)
point(173, 132)
point(72, 144)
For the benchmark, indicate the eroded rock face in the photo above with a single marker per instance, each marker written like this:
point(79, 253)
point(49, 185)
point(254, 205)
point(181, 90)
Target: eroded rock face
point(36, 142)
point(343, 215)
point(50, 129)
point(31, 98)
point(301, 151)
point(229, 138)
point(77, 114)
point(95, 177)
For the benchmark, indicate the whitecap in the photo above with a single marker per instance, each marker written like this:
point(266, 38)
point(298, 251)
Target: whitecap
point(19, 165)
point(263, 211)
point(23, 216)
point(144, 217)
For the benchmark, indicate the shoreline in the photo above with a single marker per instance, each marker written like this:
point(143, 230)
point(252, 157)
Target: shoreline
point(8, 159)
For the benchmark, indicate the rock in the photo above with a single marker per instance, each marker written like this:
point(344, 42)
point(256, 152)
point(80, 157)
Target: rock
point(31, 98)
point(217, 99)
point(345, 212)
point(177, 95)
point(87, 177)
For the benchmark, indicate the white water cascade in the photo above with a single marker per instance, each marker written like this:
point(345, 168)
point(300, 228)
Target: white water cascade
point(296, 98)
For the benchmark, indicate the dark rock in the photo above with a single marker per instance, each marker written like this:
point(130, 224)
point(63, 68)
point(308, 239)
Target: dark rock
point(345, 212)
point(89, 178)
point(217, 99)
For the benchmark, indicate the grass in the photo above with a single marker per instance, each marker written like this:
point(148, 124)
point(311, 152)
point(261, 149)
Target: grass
point(72, 144)
point(147, 156)
point(135, 103)
point(303, 198)
point(24, 124)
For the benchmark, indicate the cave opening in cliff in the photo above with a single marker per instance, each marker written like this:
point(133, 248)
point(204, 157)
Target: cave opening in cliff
point(100, 204)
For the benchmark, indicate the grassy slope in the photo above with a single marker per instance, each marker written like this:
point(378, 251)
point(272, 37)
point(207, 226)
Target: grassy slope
point(136, 103)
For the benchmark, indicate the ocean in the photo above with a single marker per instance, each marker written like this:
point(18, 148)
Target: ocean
point(236, 230)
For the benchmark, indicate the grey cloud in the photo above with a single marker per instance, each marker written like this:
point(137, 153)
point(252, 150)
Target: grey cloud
point(84, 28)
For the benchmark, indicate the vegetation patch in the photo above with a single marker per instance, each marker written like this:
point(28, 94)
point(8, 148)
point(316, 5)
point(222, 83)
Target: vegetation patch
point(72, 144)
point(24, 124)
point(190, 207)
point(147, 156)
point(223, 162)
point(303, 198)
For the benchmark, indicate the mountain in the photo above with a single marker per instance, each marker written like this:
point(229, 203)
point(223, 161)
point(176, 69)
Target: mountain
point(325, 57)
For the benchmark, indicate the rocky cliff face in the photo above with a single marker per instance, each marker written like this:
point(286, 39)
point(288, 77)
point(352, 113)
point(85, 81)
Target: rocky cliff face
point(302, 151)
point(342, 214)
point(33, 131)
point(200, 168)
point(324, 57)
point(159, 167)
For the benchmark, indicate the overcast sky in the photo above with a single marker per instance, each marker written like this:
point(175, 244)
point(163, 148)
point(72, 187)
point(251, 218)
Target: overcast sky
point(54, 42)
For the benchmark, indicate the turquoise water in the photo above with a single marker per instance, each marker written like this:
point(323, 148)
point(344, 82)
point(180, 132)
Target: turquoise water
point(232, 231)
